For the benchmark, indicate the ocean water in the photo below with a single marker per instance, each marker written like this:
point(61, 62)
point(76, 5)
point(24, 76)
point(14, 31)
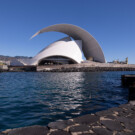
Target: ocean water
point(29, 98)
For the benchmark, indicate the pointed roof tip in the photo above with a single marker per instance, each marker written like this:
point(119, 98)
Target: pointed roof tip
point(35, 35)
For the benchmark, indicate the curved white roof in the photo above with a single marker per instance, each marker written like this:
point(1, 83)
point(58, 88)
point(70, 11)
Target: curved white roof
point(64, 47)
point(90, 46)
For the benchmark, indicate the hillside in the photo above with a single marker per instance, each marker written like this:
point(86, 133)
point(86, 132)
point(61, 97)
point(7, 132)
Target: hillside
point(9, 58)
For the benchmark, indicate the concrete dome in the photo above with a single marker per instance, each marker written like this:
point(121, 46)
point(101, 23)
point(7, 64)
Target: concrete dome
point(64, 47)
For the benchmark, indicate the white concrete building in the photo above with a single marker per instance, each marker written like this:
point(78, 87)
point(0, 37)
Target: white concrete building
point(64, 51)
point(67, 51)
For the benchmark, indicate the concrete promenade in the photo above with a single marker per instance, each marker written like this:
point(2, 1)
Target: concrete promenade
point(83, 67)
point(115, 121)
point(87, 67)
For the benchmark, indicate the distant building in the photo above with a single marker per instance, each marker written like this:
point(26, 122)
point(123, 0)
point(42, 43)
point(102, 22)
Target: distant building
point(120, 62)
point(3, 67)
point(126, 60)
point(4, 62)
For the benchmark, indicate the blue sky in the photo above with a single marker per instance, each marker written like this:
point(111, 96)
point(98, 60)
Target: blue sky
point(111, 22)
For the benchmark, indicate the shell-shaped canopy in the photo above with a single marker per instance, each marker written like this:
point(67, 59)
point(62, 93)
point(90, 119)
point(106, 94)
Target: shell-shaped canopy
point(90, 46)
point(64, 47)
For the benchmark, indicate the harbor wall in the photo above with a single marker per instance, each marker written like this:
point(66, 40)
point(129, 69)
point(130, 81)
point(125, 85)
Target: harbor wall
point(83, 67)
point(87, 67)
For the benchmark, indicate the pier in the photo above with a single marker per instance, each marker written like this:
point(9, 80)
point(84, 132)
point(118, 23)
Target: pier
point(128, 80)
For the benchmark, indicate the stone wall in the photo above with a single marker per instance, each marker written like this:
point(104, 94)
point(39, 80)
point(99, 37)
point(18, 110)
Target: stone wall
point(114, 121)
point(87, 67)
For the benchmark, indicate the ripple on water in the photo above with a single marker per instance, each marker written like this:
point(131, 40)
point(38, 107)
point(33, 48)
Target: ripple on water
point(29, 98)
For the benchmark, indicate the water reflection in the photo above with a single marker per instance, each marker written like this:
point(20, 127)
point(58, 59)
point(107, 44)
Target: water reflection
point(65, 93)
point(39, 98)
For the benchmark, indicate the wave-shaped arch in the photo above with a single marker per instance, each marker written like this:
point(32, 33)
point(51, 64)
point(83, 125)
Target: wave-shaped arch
point(90, 46)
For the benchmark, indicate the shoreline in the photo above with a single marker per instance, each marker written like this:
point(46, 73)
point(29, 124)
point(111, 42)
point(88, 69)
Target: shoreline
point(83, 67)
point(114, 121)
point(87, 67)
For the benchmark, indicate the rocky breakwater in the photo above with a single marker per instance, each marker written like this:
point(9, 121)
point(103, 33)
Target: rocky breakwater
point(87, 67)
point(115, 121)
